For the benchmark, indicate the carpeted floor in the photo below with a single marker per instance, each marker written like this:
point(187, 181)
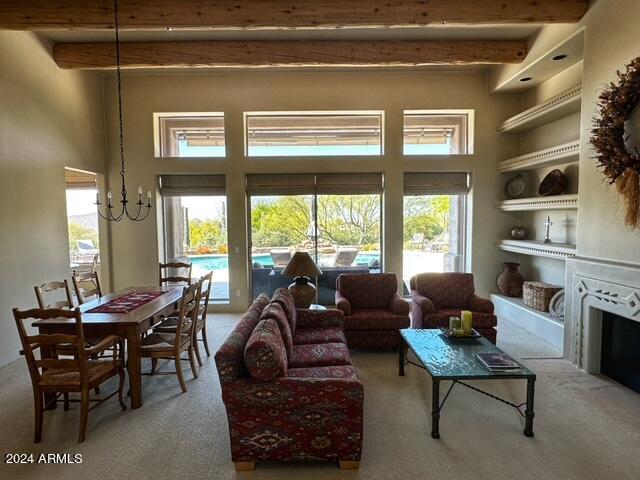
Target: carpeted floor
point(586, 427)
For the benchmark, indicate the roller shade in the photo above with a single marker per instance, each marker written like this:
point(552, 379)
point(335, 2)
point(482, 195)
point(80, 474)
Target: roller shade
point(436, 183)
point(309, 184)
point(192, 185)
point(348, 183)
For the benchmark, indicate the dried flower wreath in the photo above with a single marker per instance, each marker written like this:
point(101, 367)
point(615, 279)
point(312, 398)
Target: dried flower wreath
point(619, 165)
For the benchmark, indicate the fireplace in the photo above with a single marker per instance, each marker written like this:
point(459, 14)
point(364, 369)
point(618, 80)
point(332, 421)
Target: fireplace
point(620, 355)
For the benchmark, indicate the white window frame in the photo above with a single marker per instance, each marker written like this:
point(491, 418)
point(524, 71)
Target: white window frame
point(470, 129)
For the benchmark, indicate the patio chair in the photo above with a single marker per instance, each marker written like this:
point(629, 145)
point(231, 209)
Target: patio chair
point(417, 240)
point(280, 257)
point(345, 256)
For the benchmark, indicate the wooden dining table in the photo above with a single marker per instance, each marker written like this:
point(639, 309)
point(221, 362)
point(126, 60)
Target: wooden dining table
point(129, 326)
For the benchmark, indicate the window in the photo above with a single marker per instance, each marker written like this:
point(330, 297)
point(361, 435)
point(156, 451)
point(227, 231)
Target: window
point(434, 219)
point(195, 226)
point(189, 135)
point(82, 220)
point(333, 217)
point(438, 132)
point(269, 134)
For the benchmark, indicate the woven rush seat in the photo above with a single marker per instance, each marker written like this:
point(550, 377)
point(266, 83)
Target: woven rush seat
point(162, 341)
point(96, 370)
point(169, 324)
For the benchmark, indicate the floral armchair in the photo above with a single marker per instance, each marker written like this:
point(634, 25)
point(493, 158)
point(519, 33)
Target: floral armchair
point(373, 311)
point(437, 296)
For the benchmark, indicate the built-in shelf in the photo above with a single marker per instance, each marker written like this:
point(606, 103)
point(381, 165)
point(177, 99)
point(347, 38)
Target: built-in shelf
point(556, 107)
point(549, 157)
point(555, 202)
point(539, 323)
point(535, 248)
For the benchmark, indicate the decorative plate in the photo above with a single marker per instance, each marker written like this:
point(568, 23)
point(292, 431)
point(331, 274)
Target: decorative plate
point(515, 187)
point(556, 305)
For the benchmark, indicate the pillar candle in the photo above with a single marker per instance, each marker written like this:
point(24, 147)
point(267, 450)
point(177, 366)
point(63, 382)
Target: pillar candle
point(467, 321)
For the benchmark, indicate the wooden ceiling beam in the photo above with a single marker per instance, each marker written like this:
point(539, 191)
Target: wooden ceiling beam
point(281, 14)
point(288, 53)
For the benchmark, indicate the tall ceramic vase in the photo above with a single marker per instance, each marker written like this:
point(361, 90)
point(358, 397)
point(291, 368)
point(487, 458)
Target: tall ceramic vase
point(510, 281)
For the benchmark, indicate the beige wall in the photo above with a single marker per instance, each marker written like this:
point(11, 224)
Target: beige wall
point(612, 39)
point(49, 119)
point(134, 245)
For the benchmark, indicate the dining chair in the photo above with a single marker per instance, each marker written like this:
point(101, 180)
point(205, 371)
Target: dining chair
point(174, 273)
point(171, 346)
point(86, 284)
point(48, 288)
point(56, 376)
point(168, 325)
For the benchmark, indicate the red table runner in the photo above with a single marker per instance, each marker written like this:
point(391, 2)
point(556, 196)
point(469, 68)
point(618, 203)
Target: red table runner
point(126, 303)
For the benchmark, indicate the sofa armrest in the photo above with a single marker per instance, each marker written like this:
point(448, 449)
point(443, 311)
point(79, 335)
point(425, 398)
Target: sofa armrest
point(398, 305)
point(426, 305)
point(480, 305)
point(319, 318)
point(342, 303)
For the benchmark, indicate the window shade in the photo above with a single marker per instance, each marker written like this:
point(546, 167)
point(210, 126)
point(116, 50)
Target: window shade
point(436, 183)
point(192, 185)
point(308, 184)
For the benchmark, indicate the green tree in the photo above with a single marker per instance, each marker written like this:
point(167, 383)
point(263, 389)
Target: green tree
point(282, 221)
point(349, 219)
point(205, 233)
point(80, 232)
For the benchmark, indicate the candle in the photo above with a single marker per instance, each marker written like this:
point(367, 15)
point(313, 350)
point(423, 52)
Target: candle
point(454, 324)
point(467, 321)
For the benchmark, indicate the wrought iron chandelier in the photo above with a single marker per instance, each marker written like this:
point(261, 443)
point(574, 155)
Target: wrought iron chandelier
point(143, 209)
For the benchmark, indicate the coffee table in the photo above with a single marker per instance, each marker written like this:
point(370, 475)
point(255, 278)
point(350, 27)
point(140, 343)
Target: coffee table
point(455, 360)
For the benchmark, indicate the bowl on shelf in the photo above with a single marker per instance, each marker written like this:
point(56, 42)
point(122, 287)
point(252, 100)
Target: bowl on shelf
point(554, 183)
point(515, 187)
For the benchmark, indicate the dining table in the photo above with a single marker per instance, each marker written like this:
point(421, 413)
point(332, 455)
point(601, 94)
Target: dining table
point(128, 325)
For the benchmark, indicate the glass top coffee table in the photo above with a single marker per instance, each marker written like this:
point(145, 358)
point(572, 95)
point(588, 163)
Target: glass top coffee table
point(455, 360)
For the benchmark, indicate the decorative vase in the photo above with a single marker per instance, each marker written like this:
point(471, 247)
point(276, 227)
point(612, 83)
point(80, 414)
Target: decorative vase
point(510, 281)
point(518, 233)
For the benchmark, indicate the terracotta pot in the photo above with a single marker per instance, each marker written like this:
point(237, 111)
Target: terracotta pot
point(510, 281)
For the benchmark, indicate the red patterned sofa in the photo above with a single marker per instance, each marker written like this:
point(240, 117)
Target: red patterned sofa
point(288, 385)
point(373, 310)
point(438, 296)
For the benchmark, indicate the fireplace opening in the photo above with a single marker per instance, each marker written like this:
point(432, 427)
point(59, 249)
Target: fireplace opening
point(620, 358)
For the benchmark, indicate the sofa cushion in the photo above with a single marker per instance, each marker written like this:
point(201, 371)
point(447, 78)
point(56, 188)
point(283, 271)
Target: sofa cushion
point(337, 371)
point(441, 319)
point(451, 289)
point(265, 355)
point(368, 290)
point(284, 298)
point(306, 336)
point(374, 319)
point(275, 312)
point(319, 355)
point(229, 357)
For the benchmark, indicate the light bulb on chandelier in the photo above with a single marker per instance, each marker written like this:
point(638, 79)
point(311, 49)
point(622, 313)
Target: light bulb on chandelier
point(143, 209)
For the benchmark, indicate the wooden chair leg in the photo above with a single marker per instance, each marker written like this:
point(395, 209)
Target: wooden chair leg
point(196, 349)
point(192, 361)
point(39, 412)
point(120, 389)
point(66, 401)
point(154, 365)
point(183, 386)
point(349, 465)
point(204, 339)
point(244, 466)
point(84, 414)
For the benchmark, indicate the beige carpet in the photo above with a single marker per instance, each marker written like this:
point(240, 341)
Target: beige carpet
point(586, 427)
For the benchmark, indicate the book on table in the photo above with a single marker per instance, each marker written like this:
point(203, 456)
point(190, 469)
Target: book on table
point(498, 362)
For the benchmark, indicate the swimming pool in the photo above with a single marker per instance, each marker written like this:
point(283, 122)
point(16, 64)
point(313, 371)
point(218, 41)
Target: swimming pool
point(221, 262)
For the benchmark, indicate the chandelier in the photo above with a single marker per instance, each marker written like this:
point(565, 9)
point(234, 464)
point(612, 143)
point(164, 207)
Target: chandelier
point(124, 212)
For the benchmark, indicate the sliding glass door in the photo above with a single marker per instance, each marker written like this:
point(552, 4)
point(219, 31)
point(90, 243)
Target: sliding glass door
point(195, 227)
point(341, 231)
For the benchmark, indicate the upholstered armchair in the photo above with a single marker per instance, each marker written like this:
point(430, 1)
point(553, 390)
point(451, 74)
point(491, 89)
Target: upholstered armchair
point(373, 310)
point(437, 296)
